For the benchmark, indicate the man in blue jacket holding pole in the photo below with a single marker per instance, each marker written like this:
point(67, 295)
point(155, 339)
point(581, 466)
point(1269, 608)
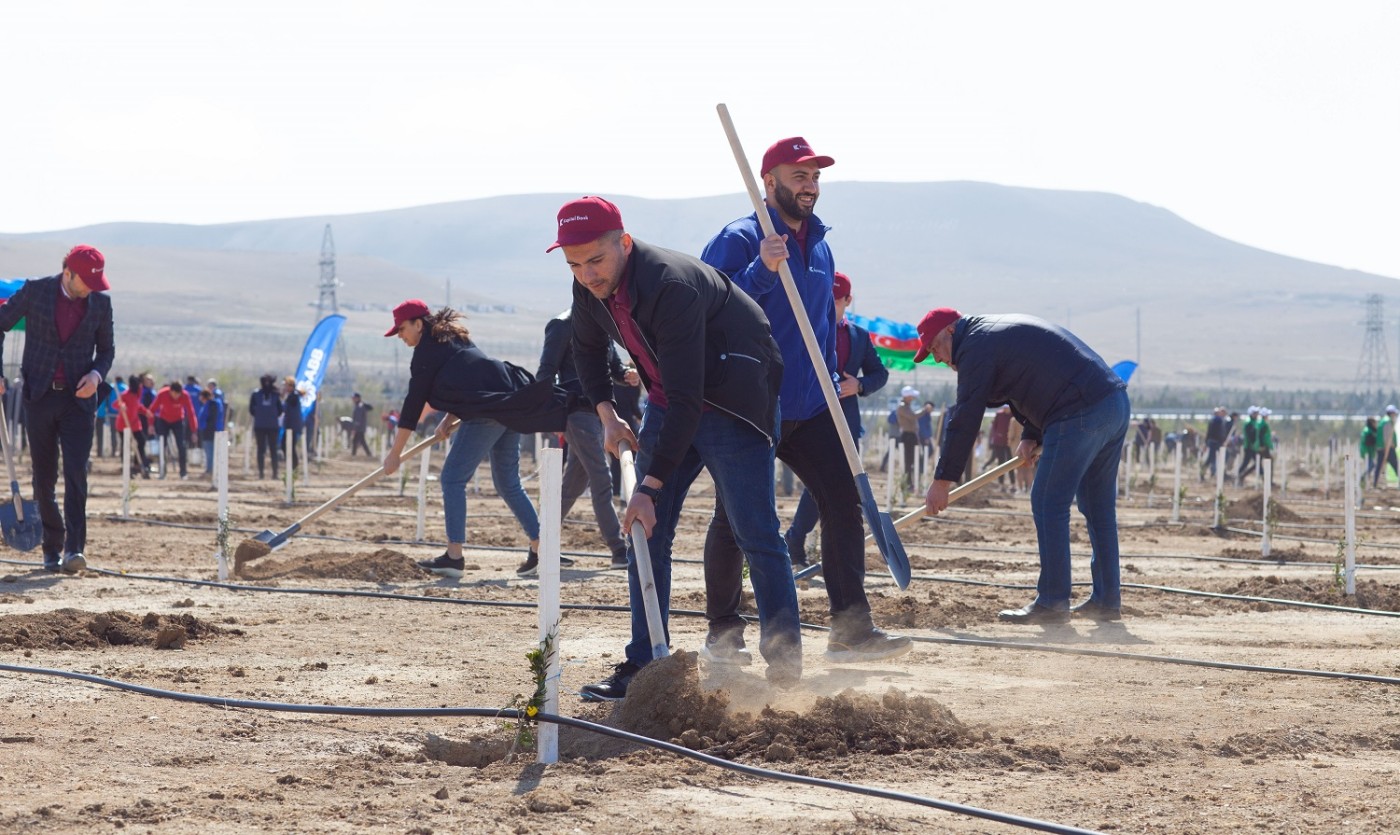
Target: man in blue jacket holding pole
point(808, 442)
point(1075, 413)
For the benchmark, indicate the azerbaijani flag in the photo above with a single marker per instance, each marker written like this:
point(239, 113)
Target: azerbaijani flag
point(8, 287)
point(895, 342)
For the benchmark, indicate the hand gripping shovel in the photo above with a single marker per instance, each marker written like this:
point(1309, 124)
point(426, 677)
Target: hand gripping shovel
point(263, 544)
point(909, 519)
point(881, 527)
point(19, 519)
point(645, 577)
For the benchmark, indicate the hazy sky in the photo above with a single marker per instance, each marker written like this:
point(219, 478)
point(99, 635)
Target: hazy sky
point(1274, 123)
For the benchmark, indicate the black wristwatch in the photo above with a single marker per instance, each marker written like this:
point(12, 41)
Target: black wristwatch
point(654, 493)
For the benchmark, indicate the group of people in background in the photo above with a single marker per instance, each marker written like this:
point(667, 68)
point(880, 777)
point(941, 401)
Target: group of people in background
point(1378, 441)
point(176, 414)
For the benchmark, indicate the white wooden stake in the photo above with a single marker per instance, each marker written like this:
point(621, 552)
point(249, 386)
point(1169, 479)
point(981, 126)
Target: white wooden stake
point(221, 482)
point(1176, 483)
point(287, 462)
point(126, 471)
point(889, 476)
point(247, 451)
point(305, 462)
point(1267, 472)
point(1349, 492)
point(423, 495)
point(1219, 486)
point(551, 498)
point(1327, 473)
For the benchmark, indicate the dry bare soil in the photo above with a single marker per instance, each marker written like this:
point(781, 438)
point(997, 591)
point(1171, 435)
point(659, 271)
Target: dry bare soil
point(1018, 720)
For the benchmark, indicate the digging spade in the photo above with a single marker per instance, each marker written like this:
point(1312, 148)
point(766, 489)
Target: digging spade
point(19, 519)
point(645, 576)
point(909, 519)
point(881, 526)
point(263, 544)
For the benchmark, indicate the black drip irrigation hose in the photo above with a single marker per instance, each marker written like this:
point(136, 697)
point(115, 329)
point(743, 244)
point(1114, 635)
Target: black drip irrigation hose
point(581, 724)
point(981, 642)
point(1192, 557)
point(1244, 598)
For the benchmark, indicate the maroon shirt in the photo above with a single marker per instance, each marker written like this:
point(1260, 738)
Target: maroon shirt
point(620, 306)
point(67, 315)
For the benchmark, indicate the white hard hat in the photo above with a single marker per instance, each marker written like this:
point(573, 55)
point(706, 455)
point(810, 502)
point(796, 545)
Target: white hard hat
point(908, 391)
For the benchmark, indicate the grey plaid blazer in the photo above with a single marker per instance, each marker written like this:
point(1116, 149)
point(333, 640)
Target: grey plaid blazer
point(90, 348)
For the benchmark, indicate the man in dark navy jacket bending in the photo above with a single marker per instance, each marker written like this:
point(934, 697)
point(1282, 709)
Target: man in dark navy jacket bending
point(1075, 413)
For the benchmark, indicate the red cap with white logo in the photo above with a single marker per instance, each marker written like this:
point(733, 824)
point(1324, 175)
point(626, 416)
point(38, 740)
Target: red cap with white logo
point(585, 220)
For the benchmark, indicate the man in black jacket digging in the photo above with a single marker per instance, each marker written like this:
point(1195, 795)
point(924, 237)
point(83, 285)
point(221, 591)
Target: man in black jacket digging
point(712, 370)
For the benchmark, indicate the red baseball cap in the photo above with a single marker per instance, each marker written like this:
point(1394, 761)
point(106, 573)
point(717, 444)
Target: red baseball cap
point(933, 323)
point(841, 286)
point(88, 264)
point(407, 311)
point(791, 151)
point(585, 220)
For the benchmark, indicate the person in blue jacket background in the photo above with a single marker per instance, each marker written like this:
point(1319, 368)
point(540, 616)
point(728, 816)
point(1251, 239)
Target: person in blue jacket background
point(862, 374)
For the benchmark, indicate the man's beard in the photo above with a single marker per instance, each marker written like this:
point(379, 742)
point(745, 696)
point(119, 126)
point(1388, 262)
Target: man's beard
point(787, 203)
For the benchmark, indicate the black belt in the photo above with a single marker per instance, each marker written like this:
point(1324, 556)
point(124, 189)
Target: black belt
point(58, 386)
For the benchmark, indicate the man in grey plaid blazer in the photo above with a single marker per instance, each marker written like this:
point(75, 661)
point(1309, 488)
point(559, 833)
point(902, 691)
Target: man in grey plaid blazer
point(68, 351)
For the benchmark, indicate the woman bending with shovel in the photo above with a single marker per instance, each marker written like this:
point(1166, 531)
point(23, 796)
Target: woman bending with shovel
point(495, 401)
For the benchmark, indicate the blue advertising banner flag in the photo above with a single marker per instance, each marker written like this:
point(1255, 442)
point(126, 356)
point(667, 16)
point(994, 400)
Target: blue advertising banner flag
point(314, 358)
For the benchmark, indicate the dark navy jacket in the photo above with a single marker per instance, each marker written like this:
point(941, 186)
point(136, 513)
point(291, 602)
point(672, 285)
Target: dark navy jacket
point(557, 356)
point(734, 252)
point(863, 364)
point(90, 348)
point(711, 344)
point(1042, 371)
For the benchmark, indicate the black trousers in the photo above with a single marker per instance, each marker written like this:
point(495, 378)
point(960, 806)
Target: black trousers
point(58, 423)
point(813, 450)
point(267, 443)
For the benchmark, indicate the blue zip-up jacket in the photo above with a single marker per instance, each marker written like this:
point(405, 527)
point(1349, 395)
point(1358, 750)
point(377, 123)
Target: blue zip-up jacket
point(734, 252)
point(1042, 371)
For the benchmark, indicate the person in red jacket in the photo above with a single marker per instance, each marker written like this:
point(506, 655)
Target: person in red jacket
point(173, 407)
point(131, 412)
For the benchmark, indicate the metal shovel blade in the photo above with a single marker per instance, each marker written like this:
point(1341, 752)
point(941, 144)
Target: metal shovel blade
point(886, 537)
point(19, 522)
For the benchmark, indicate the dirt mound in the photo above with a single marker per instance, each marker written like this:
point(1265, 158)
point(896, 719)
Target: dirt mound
point(1370, 594)
point(1252, 507)
point(66, 629)
point(665, 701)
point(383, 566)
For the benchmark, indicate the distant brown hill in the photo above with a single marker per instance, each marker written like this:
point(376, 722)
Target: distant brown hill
point(1212, 311)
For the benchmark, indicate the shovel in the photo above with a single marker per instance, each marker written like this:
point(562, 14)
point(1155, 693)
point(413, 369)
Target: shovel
point(881, 526)
point(645, 577)
point(913, 516)
point(19, 519)
point(263, 544)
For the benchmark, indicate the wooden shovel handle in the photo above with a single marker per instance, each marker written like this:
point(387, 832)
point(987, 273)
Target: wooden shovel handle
point(369, 479)
point(962, 490)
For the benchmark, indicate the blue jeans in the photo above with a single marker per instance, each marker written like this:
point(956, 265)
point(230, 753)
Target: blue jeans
point(471, 443)
point(740, 460)
point(588, 467)
point(1079, 460)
